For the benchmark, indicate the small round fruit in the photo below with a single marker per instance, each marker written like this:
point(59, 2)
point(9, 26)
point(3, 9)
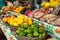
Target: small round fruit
point(29, 35)
point(35, 33)
point(5, 19)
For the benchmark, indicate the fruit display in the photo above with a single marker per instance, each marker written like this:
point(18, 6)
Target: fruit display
point(56, 22)
point(51, 3)
point(31, 31)
point(26, 26)
point(33, 25)
point(44, 10)
point(47, 16)
point(16, 21)
point(13, 8)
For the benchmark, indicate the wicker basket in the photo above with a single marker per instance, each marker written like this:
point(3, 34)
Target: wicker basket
point(26, 38)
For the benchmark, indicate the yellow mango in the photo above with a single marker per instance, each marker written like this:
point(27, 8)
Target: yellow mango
point(20, 21)
point(11, 21)
point(30, 22)
point(15, 24)
point(21, 16)
point(43, 3)
point(52, 0)
point(13, 17)
point(17, 8)
point(5, 19)
point(25, 20)
point(47, 4)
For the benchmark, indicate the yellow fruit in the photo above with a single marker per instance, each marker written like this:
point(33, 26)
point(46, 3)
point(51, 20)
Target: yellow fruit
point(30, 21)
point(59, 3)
point(15, 24)
point(52, 0)
point(21, 16)
point(17, 8)
point(20, 21)
point(11, 21)
point(8, 18)
point(58, 0)
point(13, 17)
point(17, 11)
point(20, 8)
point(24, 23)
point(47, 4)
point(14, 10)
point(16, 19)
point(55, 3)
point(43, 3)
point(25, 19)
point(5, 19)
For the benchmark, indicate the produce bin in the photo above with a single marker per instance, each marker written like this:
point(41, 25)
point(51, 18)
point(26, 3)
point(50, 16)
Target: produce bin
point(11, 32)
point(46, 26)
point(26, 38)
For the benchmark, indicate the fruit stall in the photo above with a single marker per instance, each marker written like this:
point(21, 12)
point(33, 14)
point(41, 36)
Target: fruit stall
point(39, 24)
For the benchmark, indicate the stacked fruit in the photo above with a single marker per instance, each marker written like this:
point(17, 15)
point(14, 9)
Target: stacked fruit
point(18, 9)
point(13, 8)
point(6, 7)
point(52, 3)
point(31, 31)
point(16, 21)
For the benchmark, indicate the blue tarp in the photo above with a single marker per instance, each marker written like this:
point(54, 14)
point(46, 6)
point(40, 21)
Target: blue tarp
point(2, 3)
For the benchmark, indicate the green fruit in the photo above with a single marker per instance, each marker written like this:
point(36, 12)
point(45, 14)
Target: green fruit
point(43, 35)
point(33, 25)
point(24, 25)
point(37, 25)
point(41, 30)
point(18, 31)
point(40, 35)
point(25, 31)
point(34, 28)
point(22, 33)
point(22, 29)
point(35, 33)
point(29, 35)
point(29, 31)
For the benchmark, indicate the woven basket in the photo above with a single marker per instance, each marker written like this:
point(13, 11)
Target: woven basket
point(26, 38)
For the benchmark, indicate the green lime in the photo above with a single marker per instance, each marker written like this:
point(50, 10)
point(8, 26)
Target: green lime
point(29, 35)
point(35, 33)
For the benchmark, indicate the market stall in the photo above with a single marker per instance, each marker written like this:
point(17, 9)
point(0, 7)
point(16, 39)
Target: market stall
point(35, 24)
